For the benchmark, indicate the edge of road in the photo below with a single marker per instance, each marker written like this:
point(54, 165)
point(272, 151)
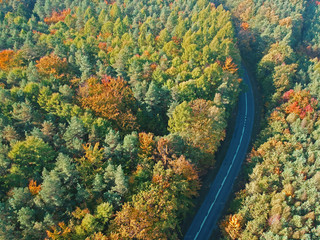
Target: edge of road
point(231, 163)
point(238, 185)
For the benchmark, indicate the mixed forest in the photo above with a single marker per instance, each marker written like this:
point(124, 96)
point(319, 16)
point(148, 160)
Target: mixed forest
point(110, 113)
point(280, 199)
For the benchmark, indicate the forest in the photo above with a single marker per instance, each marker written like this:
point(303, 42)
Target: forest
point(280, 189)
point(110, 114)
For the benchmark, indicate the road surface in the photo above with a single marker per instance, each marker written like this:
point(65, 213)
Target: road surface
point(207, 216)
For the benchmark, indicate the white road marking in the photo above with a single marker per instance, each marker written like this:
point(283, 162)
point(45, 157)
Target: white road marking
point(234, 157)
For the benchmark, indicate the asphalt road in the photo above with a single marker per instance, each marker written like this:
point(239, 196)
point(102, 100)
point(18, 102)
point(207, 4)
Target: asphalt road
point(207, 216)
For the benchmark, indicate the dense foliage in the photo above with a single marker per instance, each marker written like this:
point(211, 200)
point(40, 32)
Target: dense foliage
point(280, 199)
point(96, 101)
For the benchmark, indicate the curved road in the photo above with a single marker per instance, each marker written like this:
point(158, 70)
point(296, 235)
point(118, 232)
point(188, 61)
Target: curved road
point(207, 216)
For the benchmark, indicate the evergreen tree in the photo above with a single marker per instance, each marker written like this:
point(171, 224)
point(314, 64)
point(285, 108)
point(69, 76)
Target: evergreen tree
point(74, 134)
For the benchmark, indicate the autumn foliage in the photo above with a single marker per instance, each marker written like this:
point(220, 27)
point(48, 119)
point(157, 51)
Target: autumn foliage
point(299, 102)
point(57, 16)
point(146, 217)
point(146, 145)
point(201, 123)
point(282, 175)
point(232, 226)
point(230, 66)
point(52, 65)
point(285, 22)
point(34, 188)
point(110, 98)
point(153, 213)
point(245, 26)
point(59, 232)
point(8, 59)
point(86, 94)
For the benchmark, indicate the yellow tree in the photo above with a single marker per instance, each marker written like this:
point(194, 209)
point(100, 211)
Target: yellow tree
point(201, 123)
point(230, 66)
point(8, 59)
point(231, 226)
point(150, 215)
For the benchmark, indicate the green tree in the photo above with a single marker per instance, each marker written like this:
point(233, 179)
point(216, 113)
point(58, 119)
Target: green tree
point(29, 157)
point(201, 123)
point(61, 190)
point(74, 134)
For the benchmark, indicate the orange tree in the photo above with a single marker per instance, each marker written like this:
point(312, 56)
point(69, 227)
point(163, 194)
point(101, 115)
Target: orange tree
point(110, 98)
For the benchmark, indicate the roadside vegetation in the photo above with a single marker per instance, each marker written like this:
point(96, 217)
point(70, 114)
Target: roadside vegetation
point(279, 200)
point(110, 111)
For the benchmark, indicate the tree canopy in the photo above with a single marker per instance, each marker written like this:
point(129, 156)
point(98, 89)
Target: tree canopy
point(280, 177)
point(96, 101)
